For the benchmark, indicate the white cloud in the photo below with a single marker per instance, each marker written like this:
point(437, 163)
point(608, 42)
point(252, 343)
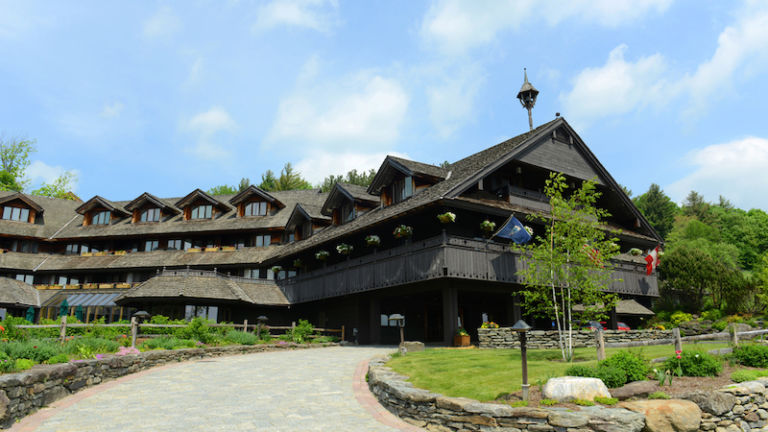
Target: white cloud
point(208, 125)
point(317, 165)
point(740, 47)
point(735, 170)
point(451, 101)
point(163, 23)
point(112, 110)
point(40, 172)
point(455, 26)
point(617, 87)
point(358, 111)
point(317, 15)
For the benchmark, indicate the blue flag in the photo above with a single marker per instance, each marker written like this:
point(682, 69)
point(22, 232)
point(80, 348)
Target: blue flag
point(513, 230)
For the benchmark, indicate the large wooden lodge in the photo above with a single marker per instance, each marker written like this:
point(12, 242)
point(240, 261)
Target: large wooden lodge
point(237, 257)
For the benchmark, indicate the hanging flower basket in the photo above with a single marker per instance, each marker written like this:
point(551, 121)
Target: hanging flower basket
point(372, 240)
point(402, 231)
point(276, 270)
point(322, 255)
point(528, 229)
point(447, 217)
point(344, 249)
point(488, 226)
point(297, 263)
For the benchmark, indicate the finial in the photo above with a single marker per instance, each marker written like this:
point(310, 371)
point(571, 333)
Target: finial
point(527, 96)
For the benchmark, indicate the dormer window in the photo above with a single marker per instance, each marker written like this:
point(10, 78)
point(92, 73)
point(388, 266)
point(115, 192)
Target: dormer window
point(204, 211)
point(101, 217)
point(402, 189)
point(255, 209)
point(399, 179)
point(16, 214)
point(150, 215)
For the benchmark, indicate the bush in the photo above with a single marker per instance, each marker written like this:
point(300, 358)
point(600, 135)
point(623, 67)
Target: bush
point(302, 331)
point(58, 358)
point(611, 376)
point(23, 364)
point(751, 355)
point(241, 338)
point(548, 402)
point(696, 364)
point(197, 329)
point(167, 343)
point(748, 375)
point(633, 365)
point(89, 347)
point(36, 350)
point(658, 395)
point(325, 339)
point(680, 317)
point(719, 325)
point(712, 315)
point(583, 402)
point(606, 400)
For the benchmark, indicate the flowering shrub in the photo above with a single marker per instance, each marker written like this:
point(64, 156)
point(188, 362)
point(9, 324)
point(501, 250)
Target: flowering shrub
point(402, 231)
point(631, 363)
point(322, 255)
point(692, 363)
point(446, 217)
point(489, 324)
point(124, 351)
point(372, 240)
point(344, 249)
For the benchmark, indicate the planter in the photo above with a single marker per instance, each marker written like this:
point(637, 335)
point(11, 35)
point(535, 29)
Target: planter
point(211, 249)
point(192, 250)
point(106, 285)
point(120, 252)
point(123, 285)
point(461, 340)
point(227, 248)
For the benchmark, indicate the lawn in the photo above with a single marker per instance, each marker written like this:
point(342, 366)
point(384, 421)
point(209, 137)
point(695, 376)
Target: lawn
point(484, 374)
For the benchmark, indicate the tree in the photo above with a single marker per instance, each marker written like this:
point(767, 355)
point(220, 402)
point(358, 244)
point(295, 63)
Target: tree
point(695, 205)
point(362, 178)
point(658, 208)
point(14, 160)
point(230, 190)
point(61, 187)
point(8, 182)
point(288, 180)
point(244, 184)
point(571, 263)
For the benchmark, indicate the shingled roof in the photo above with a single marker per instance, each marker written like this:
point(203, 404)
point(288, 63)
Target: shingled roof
point(15, 293)
point(203, 285)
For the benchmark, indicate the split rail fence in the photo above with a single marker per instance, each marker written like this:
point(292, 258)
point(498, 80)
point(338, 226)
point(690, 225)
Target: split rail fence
point(136, 327)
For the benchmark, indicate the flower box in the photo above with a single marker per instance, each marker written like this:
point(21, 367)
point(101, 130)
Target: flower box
point(193, 250)
point(227, 248)
point(344, 249)
point(120, 252)
point(86, 254)
point(123, 285)
point(41, 287)
point(461, 340)
point(102, 253)
point(322, 255)
point(90, 286)
point(372, 240)
point(211, 249)
point(447, 217)
point(402, 231)
point(106, 285)
point(70, 286)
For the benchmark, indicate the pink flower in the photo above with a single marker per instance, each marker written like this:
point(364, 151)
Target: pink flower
point(678, 352)
point(678, 356)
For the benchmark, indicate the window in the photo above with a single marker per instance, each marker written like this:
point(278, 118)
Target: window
point(150, 215)
point(263, 240)
point(202, 212)
point(25, 278)
point(255, 209)
point(291, 237)
point(347, 212)
point(62, 280)
point(16, 214)
point(174, 244)
point(251, 273)
point(306, 230)
point(402, 189)
point(101, 218)
point(73, 249)
point(151, 245)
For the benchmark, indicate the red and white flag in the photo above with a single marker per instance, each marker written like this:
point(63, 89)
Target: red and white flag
point(652, 261)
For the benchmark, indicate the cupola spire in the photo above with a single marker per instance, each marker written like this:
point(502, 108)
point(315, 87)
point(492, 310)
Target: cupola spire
point(527, 96)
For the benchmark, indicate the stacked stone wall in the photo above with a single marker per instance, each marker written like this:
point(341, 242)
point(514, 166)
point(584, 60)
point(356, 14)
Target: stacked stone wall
point(505, 337)
point(25, 392)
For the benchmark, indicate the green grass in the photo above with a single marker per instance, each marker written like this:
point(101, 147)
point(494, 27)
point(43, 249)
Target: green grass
point(484, 374)
point(748, 374)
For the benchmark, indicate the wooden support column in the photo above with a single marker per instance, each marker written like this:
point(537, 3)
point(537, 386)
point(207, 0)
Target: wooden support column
point(450, 312)
point(613, 320)
point(374, 322)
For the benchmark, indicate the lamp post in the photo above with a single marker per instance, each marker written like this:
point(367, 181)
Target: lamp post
point(401, 323)
point(262, 320)
point(521, 327)
point(136, 319)
point(527, 96)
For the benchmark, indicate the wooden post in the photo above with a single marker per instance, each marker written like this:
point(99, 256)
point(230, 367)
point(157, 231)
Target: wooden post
point(342, 333)
point(678, 339)
point(600, 344)
point(734, 335)
point(63, 331)
point(134, 331)
point(87, 314)
point(121, 314)
point(245, 326)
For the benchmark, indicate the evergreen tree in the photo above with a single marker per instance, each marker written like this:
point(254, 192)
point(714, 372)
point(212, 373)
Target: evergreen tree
point(658, 208)
point(362, 178)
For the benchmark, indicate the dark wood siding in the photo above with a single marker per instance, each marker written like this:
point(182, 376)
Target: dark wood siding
point(559, 156)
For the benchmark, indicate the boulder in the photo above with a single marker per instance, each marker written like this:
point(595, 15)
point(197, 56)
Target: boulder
point(635, 389)
point(672, 415)
point(715, 403)
point(410, 346)
point(564, 389)
point(604, 419)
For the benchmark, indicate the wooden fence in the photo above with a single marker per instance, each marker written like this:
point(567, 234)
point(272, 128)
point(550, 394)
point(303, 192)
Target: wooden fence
point(136, 327)
point(732, 336)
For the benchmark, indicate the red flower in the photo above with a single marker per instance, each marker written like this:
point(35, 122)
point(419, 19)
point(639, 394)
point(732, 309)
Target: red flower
point(678, 352)
point(2, 329)
point(678, 356)
point(34, 346)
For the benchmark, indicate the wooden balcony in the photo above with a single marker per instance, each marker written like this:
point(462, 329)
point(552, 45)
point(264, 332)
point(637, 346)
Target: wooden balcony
point(437, 257)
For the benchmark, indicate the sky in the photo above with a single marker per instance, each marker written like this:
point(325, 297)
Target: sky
point(168, 96)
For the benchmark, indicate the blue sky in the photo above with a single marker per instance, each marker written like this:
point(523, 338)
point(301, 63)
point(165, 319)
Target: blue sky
point(165, 97)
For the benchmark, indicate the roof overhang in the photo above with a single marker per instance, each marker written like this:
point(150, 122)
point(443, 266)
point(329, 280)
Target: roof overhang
point(199, 195)
point(23, 198)
point(252, 191)
point(98, 202)
point(147, 198)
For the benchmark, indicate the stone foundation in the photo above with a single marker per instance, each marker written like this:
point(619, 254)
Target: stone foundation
point(505, 337)
point(24, 393)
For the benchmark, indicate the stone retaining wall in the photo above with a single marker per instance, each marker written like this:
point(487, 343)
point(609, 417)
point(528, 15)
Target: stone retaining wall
point(23, 393)
point(734, 408)
point(505, 337)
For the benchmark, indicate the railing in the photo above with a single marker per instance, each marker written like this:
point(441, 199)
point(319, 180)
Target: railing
point(97, 285)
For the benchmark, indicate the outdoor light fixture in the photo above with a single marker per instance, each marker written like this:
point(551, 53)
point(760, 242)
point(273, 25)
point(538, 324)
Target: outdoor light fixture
point(142, 315)
point(527, 96)
point(521, 327)
point(262, 320)
point(400, 323)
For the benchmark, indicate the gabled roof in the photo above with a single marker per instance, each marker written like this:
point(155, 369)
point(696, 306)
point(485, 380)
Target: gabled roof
point(341, 192)
point(23, 198)
point(198, 194)
point(302, 212)
point(17, 293)
point(393, 166)
point(99, 202)
point(148, 198)
point(255, 191)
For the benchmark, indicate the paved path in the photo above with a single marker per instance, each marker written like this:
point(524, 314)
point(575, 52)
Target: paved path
point(302, 390)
